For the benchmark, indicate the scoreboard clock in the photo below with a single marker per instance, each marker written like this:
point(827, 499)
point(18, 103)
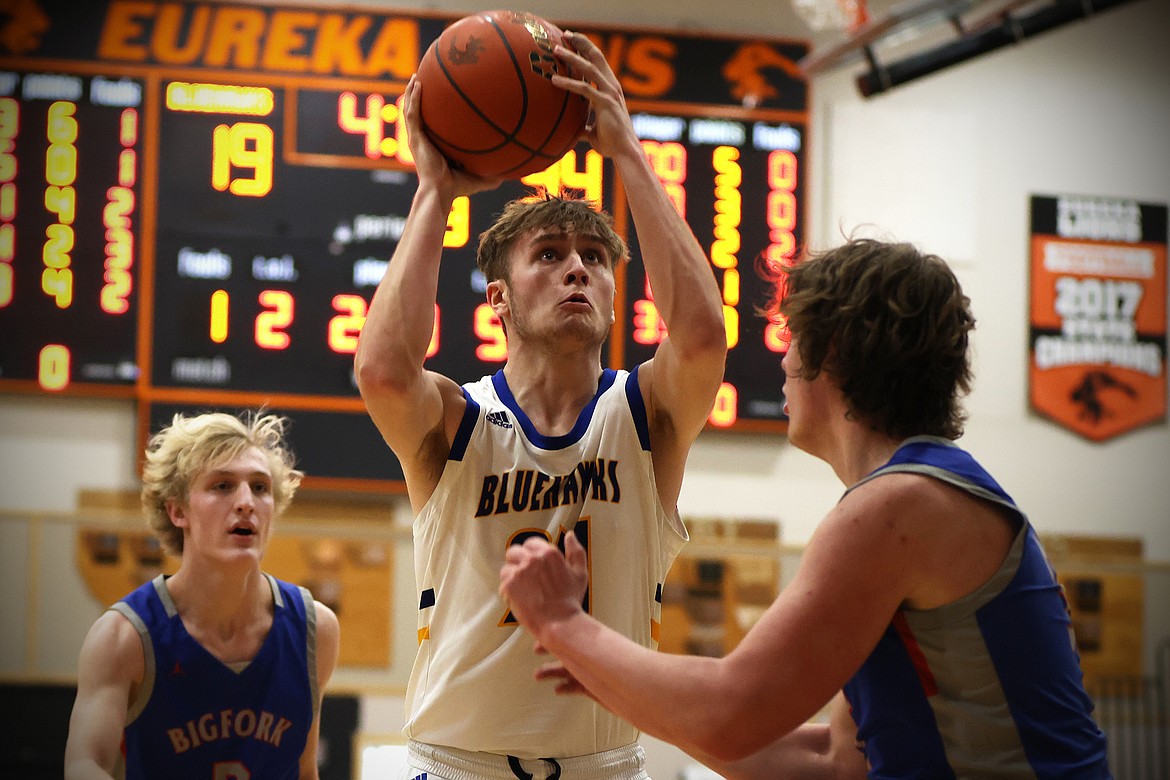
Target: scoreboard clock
point(198, 199)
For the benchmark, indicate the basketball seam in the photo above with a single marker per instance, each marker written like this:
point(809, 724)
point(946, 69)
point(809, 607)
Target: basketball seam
point(509, 137)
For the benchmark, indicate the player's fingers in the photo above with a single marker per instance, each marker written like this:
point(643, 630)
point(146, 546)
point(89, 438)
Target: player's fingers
point(552, 671)
point(588, 55)
point(574, 552)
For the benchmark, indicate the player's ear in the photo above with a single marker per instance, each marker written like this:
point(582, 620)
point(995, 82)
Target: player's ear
point(497, 296)
point(177, 513)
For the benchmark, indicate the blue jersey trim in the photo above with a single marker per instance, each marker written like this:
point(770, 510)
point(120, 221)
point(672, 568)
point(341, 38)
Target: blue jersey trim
point(608, 376)
point(638, 409)
point(466, 426)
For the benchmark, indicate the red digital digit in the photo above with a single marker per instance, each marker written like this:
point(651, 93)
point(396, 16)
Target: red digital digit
point(726, 409)
point(494, 348)
point(345, 327)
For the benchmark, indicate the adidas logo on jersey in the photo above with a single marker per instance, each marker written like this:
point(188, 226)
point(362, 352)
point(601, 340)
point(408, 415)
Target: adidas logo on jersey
point(500, 419)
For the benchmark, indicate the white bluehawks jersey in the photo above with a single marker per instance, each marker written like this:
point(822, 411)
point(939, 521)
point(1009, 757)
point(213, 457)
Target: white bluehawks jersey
point(472, 685)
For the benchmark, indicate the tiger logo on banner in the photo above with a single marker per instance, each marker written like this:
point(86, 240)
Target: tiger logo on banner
point(1098, 319)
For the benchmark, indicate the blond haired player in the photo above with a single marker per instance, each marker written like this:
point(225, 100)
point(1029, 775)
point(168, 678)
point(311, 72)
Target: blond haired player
point(219, 669)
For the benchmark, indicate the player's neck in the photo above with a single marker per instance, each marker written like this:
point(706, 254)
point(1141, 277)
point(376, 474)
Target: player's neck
point(861, 453)
point(218, 595)
point(553, 392)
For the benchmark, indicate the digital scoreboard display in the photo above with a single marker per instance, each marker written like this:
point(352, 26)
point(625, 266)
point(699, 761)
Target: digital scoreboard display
point(197, 201)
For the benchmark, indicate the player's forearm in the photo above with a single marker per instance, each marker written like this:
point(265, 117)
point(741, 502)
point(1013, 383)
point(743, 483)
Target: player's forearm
point(401, 316)
point(685, 292)
point(675, 698)
point(802, 754)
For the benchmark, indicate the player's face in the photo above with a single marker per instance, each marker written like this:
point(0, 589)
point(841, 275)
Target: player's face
point(561, 288)
point(229, 509)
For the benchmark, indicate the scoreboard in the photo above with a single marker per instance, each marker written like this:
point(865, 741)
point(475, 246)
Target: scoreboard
point(198, 199)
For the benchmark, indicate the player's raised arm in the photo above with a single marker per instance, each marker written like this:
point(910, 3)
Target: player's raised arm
point(405, 401)
point(681, 380)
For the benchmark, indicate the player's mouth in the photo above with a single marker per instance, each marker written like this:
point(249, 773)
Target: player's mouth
point(577, 299)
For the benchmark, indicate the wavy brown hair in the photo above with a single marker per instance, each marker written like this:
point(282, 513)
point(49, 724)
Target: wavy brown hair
point(540, 213)
point(889, 324)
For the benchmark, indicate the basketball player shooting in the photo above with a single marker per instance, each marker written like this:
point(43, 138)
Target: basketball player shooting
point(551, 445)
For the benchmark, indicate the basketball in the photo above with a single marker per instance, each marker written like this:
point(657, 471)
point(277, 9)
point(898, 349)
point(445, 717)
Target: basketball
point(488, 102)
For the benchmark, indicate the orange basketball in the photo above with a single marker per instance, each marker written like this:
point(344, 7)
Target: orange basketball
point(488, 102)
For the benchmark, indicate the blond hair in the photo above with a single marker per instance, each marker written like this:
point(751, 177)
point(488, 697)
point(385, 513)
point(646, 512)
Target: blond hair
point(179, 453)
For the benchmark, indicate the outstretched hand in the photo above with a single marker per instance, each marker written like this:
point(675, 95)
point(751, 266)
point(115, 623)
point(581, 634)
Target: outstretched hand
point(542, 586)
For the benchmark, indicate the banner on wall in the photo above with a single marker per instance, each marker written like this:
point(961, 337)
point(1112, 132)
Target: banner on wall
point(1098, 319)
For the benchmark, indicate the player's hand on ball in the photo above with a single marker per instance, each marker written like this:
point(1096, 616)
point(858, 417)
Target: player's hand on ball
point(609, 129)
point(429, 162)
point(542, 586)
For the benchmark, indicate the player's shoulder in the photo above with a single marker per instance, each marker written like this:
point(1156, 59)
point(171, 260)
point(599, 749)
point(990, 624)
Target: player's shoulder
point(893, 493)
point(115, 638)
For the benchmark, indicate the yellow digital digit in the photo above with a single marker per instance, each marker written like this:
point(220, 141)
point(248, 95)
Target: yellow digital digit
point(221, 163)
point(588, 180)
point(487, 326)
point(277, 315)
point(220, 309)
point(370, 126)
point(242, 145)
point(61, 201)
point(53, 367)
point(458, 223)
point(347, 325)
point(564, 175)
point(57, 283)
point(9, 117)
point(731, 324)
point(6, 284)
point(116, 291)
point(58, 246)
point(127, 168)
point(401, 137)
point(62, 127)
point(8, 164)
point(7, 242)
point(61, 164)
point(128, 127)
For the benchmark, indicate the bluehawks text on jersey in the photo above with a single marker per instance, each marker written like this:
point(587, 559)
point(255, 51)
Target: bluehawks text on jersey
point(531, 490)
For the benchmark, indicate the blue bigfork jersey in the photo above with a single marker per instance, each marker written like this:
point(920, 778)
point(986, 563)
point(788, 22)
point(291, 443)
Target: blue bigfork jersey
point(989, 685)
point(196, 718)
